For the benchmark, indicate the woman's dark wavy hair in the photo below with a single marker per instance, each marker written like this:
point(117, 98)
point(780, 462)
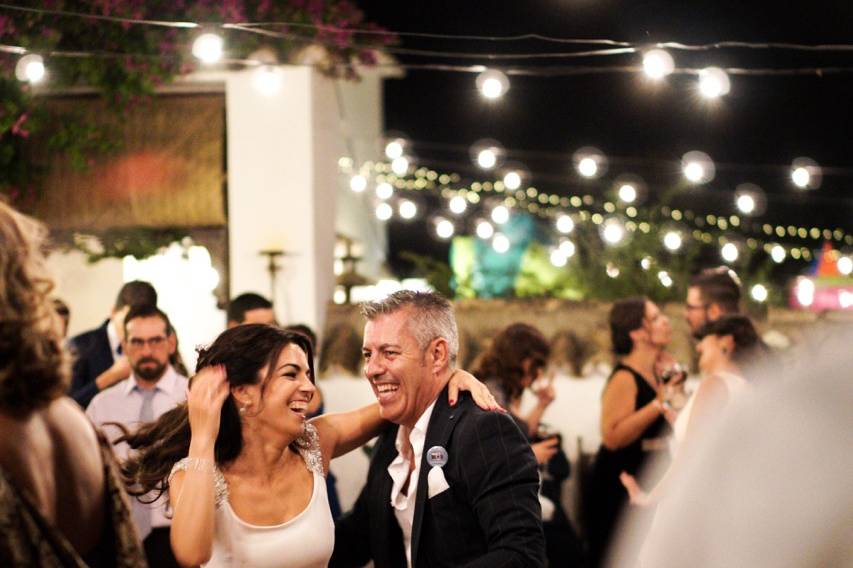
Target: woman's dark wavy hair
point(749, 348)
point(626, 316)
point(245, 351)
point(509, 348)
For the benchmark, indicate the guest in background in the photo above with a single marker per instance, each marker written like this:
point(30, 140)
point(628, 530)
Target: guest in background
point(340, 355)
point(61, 499)
point(633, 421)
point(726, 346)
point(153, 388)
point(98, 359)
point(250, 308)
point(512, 364)
point(712, 293)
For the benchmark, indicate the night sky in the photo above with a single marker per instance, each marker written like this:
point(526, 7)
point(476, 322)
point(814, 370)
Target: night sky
point(752, 134)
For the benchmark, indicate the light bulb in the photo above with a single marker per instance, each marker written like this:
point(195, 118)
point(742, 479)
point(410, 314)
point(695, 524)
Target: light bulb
point(777, 253)
point(384, 212)
point(613, 232)
point(487, 158)
point(558, 259)
point(628, 193)
point(512, 180)
point(713, 83)
point(565, 224)
point(729, 252)
point(745, 203)
point(694, 172)
point(485, 230)
point(394, 149)
point(407, 209)
point(657, 64)
point(500, 243)
point(759, 293)
point(500, 214)
point(400, 166)
point(588, 167)
point(384, 190)
point(457, 204)
point(358, 183)
point(493, 84)
point(30, 68)
point(444, 228)
point(845, 265)
point(208, 48)
point(801, 177)
point(567, 248)
point(672, 240)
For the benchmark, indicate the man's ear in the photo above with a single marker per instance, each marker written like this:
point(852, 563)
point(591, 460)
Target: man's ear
point(438, 354)
point(173, 343)
point(714, 312)
point(727, 342)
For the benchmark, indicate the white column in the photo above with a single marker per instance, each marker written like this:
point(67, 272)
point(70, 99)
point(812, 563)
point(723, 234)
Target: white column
point(282, 156)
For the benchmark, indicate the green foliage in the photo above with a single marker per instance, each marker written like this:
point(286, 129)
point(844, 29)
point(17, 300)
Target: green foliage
point(437, 273)
point(117, 243)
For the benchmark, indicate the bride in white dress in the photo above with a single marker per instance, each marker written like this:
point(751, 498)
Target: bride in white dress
point(243, 469)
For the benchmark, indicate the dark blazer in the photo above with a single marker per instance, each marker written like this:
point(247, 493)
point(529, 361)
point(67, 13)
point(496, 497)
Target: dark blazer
point(490, 517)
point(92, 356)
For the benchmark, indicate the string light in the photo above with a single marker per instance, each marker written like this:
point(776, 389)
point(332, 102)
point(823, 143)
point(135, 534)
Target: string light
point(30, 68)
point(493, 84)
point(657, 64)
point(384, 212)
point(565, 224)
point(713, 83)
point(672, 240)
point(512, 180)
point(567, 248)
point(646, 262)
point(407, 209)
point(845, 265)
point(697, 167)
point(358, 183)
point(400, 165)
point(457, 205)
point(500, 214)
point(777, 253)
point(208, 47)
point(395, 148)
point(627, 193)
point(444, 228)
point(589, 162)
point(487, 158)
point(805, 173)
point(558, 259)
point(613, 231)
point(384, 190)
point(500, 243)
point(729, 252)
point(611, 270)
point(665, 279)
point(485, 230)
point(759, 293)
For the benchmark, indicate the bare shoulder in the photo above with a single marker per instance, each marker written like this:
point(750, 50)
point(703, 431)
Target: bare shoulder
point(622, 381)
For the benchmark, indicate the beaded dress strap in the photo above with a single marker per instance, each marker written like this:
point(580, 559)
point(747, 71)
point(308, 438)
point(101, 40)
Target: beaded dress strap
point(220, 487)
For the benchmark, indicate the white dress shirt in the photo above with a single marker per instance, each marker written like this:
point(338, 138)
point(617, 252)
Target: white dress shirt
point(122, 403)
point(404, 503)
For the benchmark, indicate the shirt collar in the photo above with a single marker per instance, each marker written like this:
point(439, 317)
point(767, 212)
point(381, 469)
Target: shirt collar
point(167, 382)
point(112, 336)
point(418, 433)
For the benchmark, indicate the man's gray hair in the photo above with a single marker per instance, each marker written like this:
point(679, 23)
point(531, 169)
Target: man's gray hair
point(432, 317)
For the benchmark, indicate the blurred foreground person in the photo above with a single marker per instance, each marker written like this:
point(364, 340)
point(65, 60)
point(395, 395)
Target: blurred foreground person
point(634, 424)
point(770, 486)
point(61, 500)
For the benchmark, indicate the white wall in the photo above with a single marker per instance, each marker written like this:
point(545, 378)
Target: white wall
point(88, 289)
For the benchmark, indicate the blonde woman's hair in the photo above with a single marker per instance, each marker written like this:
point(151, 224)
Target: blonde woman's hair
point(33, 365)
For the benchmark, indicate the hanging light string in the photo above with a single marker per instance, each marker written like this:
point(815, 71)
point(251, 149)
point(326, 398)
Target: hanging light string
point(589, 208)
point(461, 37)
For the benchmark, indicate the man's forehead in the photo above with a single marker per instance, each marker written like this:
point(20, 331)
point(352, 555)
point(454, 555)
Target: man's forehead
point(151, 325)
point(387, 327)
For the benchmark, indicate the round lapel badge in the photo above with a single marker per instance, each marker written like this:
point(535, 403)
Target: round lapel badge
point(437, 456)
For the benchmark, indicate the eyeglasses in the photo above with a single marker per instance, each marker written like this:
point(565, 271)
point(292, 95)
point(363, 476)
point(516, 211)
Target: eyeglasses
point(155, 342)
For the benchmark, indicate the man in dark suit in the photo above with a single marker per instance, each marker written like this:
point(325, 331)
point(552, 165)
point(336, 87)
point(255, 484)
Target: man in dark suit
point(448, 485)
point(98, 361)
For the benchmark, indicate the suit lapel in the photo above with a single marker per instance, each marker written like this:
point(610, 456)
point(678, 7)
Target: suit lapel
point(380, 503)
point(441, 423)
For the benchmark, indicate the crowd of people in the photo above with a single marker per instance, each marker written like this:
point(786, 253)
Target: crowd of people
point(113, 456)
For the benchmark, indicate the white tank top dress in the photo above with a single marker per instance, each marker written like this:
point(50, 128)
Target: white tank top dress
point(305, 541)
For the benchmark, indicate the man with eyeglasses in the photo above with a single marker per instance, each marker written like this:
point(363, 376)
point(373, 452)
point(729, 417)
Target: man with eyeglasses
point(712, 293)
point(153, 388)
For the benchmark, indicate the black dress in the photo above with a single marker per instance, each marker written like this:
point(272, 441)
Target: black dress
point(607, 495)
